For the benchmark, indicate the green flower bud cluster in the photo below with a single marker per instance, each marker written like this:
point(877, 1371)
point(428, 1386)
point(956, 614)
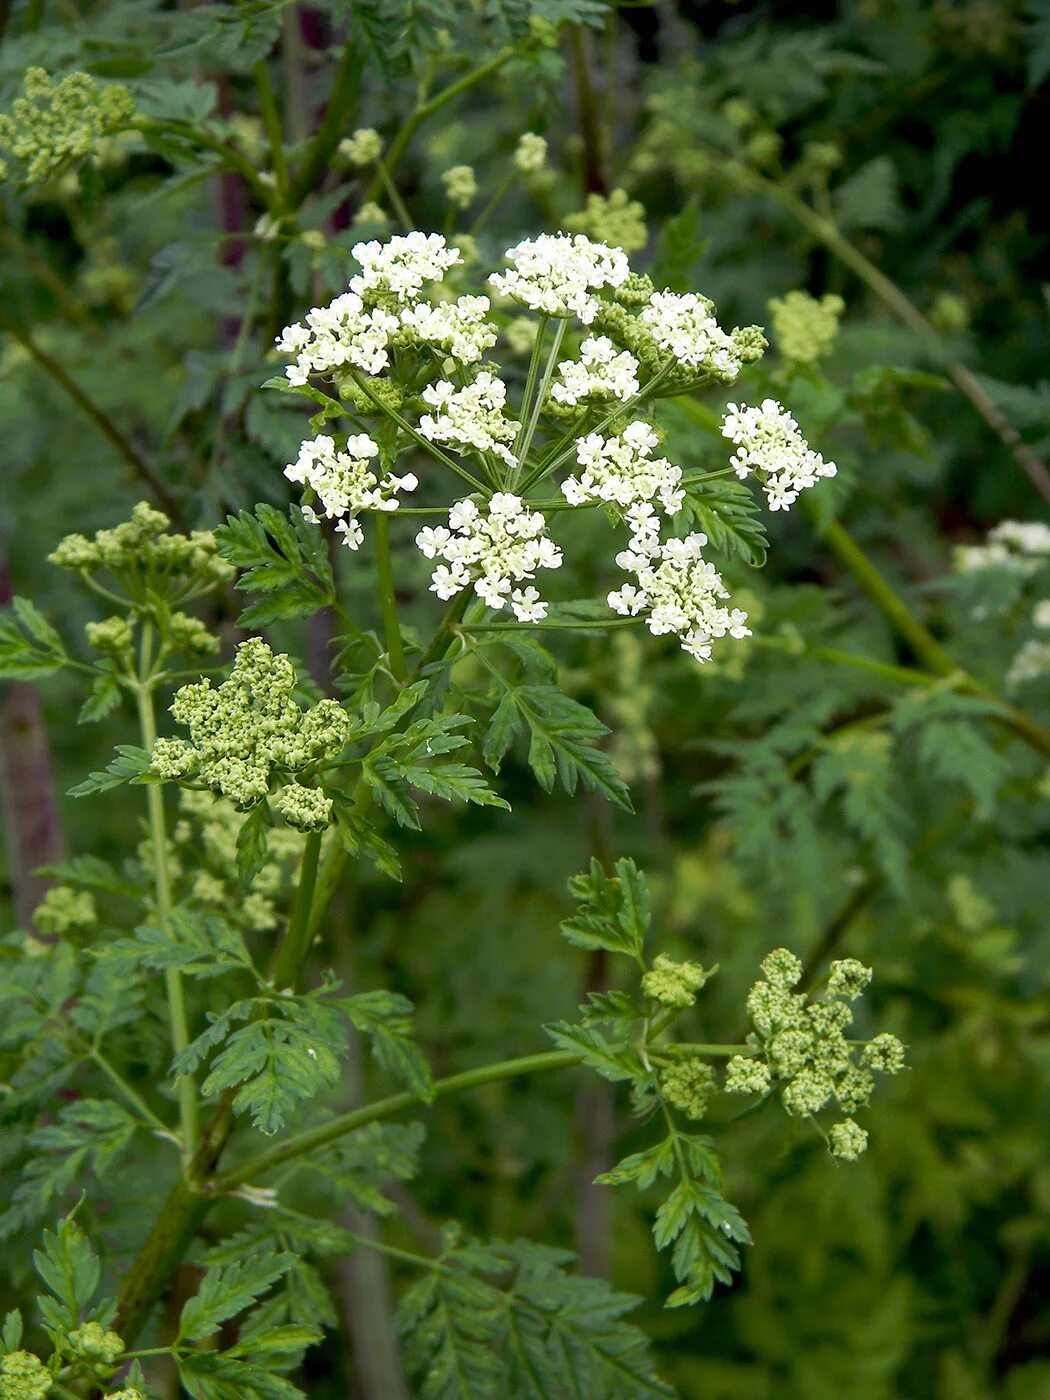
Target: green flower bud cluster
point(530, 154)
point(112, 637)
point(806, 328)
point(217, 823)
point(361, 147)
point(129, 1392)
point(143, 548)
point(97, 1346)
point(801, 1047)
point(615, 219)
point(57, 123)
point(389, 394)
point(249, 728)
point(688, 1086)
point(673, 983)
point(847, 1140)
point(305, 808)
point(635, 291)
point(461, 185)
point(189, 634)
point(24, 1377)
point(63, 909)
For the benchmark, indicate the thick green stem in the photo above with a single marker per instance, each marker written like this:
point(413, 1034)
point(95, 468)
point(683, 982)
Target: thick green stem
point(187, 1095)
point(346, 86)
point(316, 1138)
point(274, 131)
point(295, 947)
point(395, 649)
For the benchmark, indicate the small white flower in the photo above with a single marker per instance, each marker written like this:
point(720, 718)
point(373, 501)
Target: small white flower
point(344, 482)
point(558, 274)
point(601, 372)
point(458, 328)
point(492, 548)
point(343, 333)
point(620, 471)
point(679, 589)
point(403, 264)
point(470, 417)
point(770, 445)
point(527, 605)
point(684, 326)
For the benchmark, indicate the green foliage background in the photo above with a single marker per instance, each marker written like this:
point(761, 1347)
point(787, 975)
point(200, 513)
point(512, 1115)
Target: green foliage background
point(782, 797)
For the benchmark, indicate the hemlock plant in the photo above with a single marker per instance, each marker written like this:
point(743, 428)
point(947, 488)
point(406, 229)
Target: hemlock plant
point(402, 368)
point(492, 434)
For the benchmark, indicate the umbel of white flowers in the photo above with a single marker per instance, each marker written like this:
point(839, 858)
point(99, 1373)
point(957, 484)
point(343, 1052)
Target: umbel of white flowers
point(402, 349)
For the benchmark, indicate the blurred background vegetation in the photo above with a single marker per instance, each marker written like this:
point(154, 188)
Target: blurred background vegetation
point(887, 152)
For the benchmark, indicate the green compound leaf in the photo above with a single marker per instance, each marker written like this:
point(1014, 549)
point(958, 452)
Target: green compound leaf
point(70, 1271)
point(726, 511)
point(562, 734)
point(281, 556)
point(130, 765)
point(386, 1018)
point(228, 1289)
point(509, 1319)
point(614, 912)
point(33, 650)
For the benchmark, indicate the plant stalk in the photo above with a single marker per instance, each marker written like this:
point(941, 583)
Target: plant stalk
point(189, 1119)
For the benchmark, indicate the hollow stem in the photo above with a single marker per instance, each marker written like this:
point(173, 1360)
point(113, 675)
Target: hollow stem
point(313, 1139)
point(189, 1119)
point(388, 598)
point(292, 953)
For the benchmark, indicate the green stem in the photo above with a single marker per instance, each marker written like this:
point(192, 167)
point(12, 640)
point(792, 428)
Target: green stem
point(133, 1097)
point(197, 136)
point(274, 131)
point(388, 598)
point(522, 452)
point(396, 202)
point(313, 1139)
point(345, 88)
point(425, 110)
point(530, 381)
point(718, 1050)
point(292, 953)
point(101, 419)
point(180, 1037)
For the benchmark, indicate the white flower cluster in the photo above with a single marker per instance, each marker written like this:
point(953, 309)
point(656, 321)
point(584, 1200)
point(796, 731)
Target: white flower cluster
point(684, 326)
point(349, 331)
point(470, 417)
point(495, 548)
point(676, 585)
point(345, 332)
point(344, 483)
point(770, 445)
point(558, 275)
point(620, 470)
point(402, 265)
point(601, 372)
point(458, 328)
